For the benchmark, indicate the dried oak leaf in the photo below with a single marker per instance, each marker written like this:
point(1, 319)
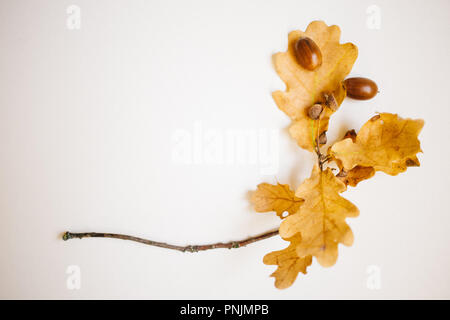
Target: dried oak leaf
point(288, 262)
point(358, 173)
point(386, 143)
point(321, 218)
point(278, 198)
point(305, 88)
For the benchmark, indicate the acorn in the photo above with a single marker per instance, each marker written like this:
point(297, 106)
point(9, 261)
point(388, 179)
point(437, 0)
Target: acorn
point(315, 111)
point(360, 88)
point(330, 101)
point(323, 138)
point(308, 53)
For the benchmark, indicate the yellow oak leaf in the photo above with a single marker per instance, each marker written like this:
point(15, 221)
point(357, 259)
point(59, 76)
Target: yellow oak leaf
point(321, 218)
point(288, 262)
point(386, 142)
point(278, 198)
point(356, 175)
point(305, 88)
point(305, 130)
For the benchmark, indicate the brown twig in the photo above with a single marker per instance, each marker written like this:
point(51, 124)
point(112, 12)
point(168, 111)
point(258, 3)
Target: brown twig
point(190, 248)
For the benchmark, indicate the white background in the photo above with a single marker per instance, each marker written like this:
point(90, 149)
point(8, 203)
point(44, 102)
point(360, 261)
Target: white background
point(86, 124)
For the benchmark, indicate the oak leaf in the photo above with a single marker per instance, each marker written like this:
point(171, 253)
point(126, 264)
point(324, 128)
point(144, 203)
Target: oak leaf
point(279, 198)
point(321, 218)
point(288, 262)
point(356, 175)
point(305, 88)
point(386, 142)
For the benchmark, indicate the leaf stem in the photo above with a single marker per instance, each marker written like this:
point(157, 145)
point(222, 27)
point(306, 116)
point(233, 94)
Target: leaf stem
point(189, 248)
point(317, 146)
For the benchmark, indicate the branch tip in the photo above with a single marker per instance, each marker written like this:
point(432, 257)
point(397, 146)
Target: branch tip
point(66, 236)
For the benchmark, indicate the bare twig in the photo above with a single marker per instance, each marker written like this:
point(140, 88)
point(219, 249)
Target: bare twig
point(190, 248)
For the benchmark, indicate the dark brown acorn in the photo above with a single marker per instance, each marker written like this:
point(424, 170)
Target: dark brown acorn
point(308, 53)
point(360, 88)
